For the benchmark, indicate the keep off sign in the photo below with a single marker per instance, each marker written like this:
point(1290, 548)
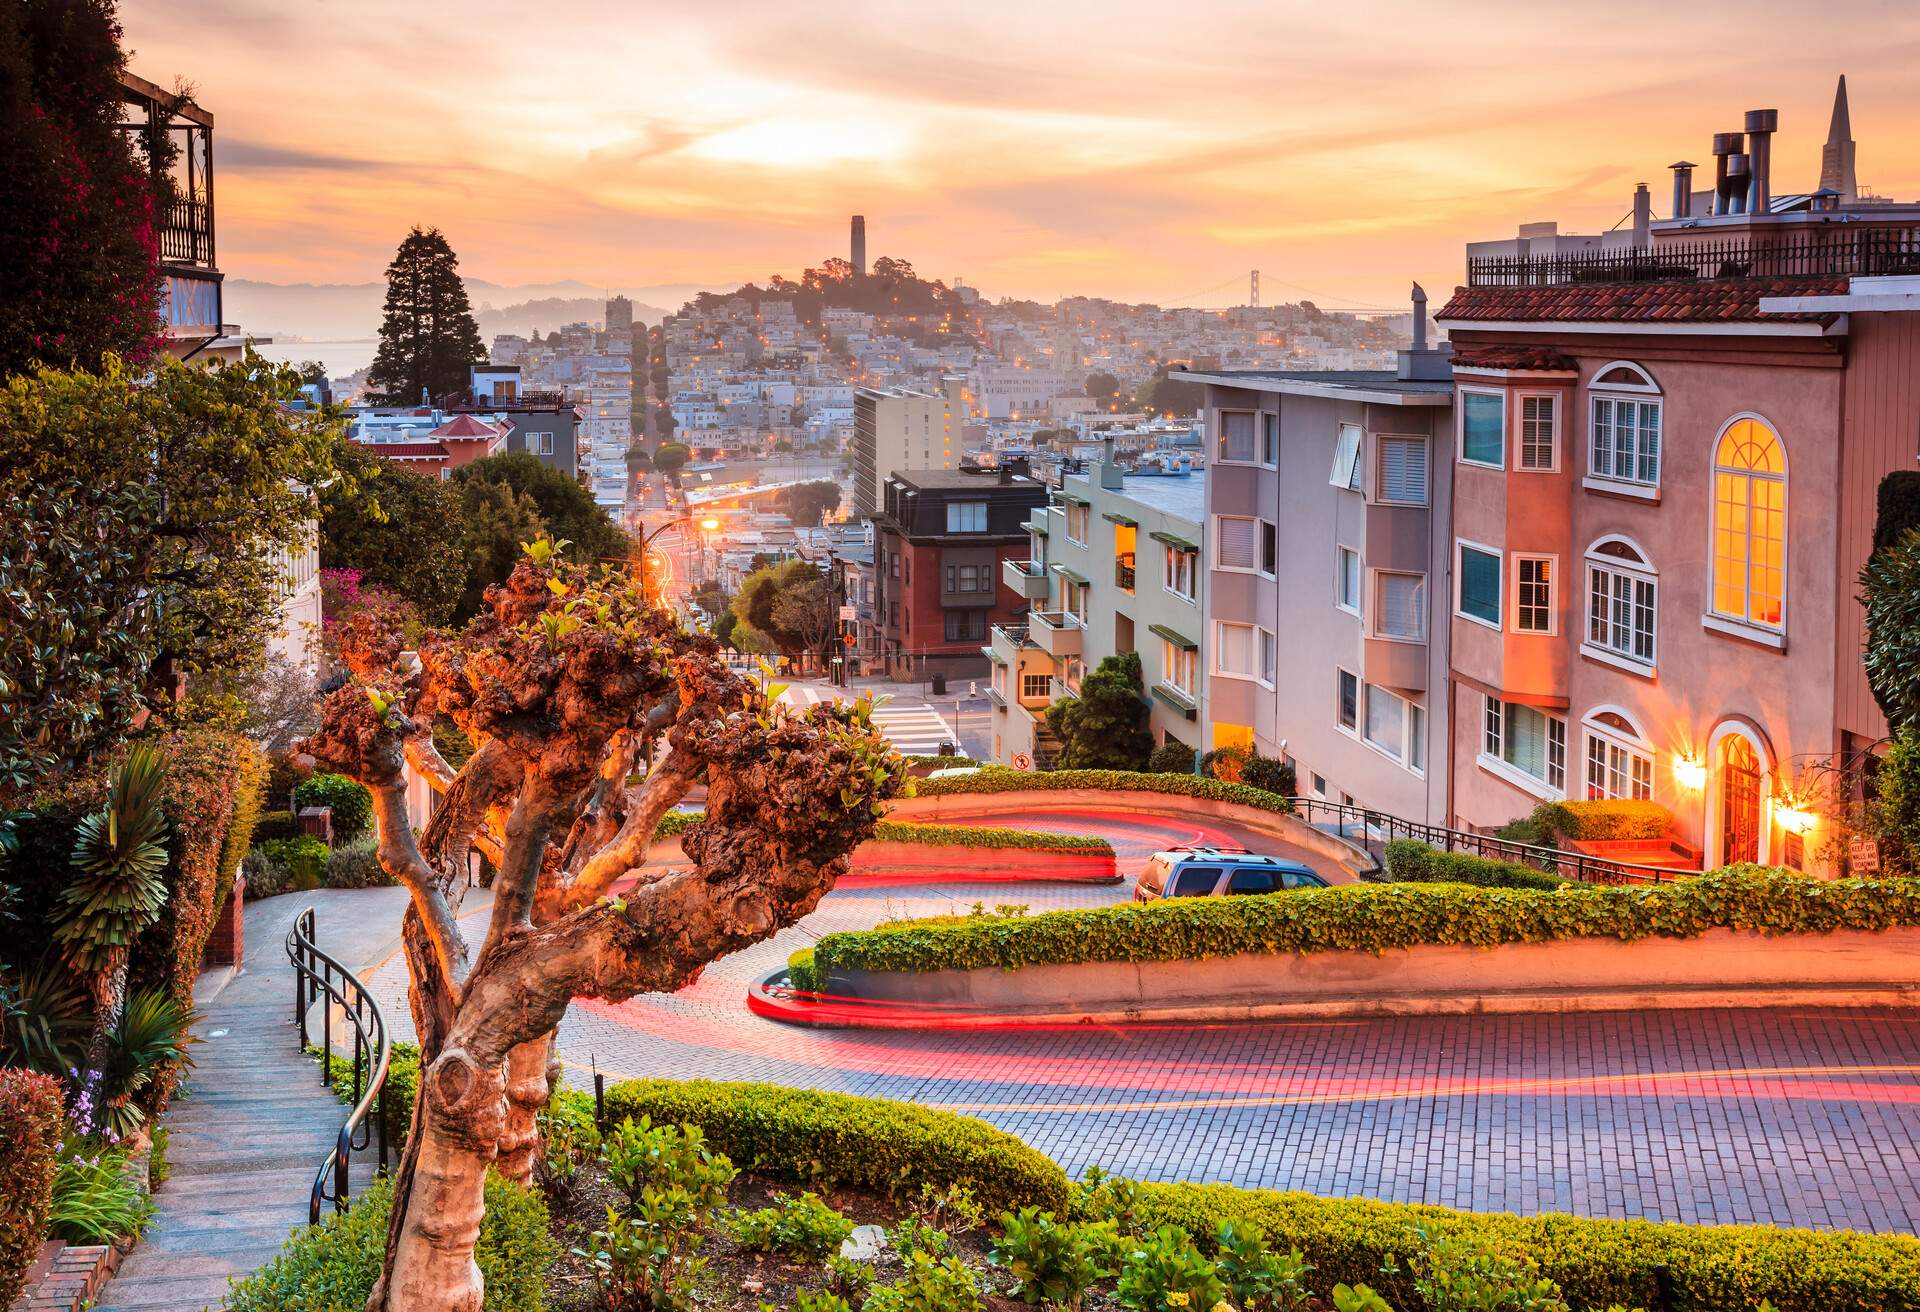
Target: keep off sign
point(1021, 761)
point(1863, 854)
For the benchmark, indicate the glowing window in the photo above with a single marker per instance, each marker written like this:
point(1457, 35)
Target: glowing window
point(1750, 525)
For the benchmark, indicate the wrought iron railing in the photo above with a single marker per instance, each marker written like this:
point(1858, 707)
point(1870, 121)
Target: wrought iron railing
point(1812, 253)
point(1382, 828)
point(317, 977)
point(186, 233)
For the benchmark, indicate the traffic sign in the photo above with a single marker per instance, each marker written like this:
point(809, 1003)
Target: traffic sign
point(1021, 761)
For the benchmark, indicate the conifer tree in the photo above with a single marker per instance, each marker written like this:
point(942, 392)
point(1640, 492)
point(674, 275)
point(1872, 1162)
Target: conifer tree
point(1103, 728)
point(428, 337)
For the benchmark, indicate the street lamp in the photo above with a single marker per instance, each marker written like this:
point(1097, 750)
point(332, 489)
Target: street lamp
point(709, 524)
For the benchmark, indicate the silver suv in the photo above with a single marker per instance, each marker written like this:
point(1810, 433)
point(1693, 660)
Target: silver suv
point(1219, 872)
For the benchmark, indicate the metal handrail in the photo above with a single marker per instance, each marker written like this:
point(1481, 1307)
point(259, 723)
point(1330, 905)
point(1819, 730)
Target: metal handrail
point(314, 975)
point(1576, 866)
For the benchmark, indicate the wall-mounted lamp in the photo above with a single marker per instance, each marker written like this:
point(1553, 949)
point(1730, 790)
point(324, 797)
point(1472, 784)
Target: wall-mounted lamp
point(1792, 819)
point(1689, 771)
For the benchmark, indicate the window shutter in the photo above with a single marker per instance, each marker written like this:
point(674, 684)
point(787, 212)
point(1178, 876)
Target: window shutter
point(1239, 543)
point(1403, 470)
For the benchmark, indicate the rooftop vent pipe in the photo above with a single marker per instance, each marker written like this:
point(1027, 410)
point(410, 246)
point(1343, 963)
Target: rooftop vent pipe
point(1761, 125)
point(1724, 144)
point(1642, 218)
point(1682, 189)
point(1739, 179)
point(1419, 317)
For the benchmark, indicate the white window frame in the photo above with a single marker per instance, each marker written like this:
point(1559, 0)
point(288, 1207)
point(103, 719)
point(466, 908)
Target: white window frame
point(1176, 660)
point(1374, 579)
point(1253, 445)
point(1413, 717)
point(1643, 393)
point(1380, 496)
point(1460, 427)
point(1346, 473)
point(1643, 573)
point(1492, 754)
point(1219, 555)
point(1773, 635)
point(1552, 397)
point(1043, 677)
point(1518, 559)
point(1086, 522)
point(1632, 745)
point(1170, 572)
point(1258, 647)
point(1461, 545)
point(1341, 555)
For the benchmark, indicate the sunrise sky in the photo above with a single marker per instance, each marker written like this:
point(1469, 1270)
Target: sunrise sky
point(1145, 151)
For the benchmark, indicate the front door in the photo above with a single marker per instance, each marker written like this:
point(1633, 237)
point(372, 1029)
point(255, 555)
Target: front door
point(1739, 802)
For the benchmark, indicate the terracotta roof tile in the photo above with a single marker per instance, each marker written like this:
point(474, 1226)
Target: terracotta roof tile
point(1513, 357)
point(467, 428)
point(409, 450)
point(1707, 300)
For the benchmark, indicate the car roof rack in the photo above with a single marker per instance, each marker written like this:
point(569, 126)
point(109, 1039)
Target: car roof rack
point(1215, 849)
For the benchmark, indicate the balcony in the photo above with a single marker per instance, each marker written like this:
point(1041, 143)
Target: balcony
point(1058, 633)
point(1005, 645)
point(1820, 253)
point(1027, 578)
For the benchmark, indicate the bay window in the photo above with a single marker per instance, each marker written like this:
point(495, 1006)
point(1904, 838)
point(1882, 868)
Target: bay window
point(1400, 606)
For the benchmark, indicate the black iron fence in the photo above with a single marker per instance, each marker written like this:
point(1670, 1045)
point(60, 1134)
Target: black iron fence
point(317, 977)
point(1809, 253)
point(1379, 828)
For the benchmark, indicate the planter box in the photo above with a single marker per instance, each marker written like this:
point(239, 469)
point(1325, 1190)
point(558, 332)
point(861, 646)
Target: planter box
point(1721, 968)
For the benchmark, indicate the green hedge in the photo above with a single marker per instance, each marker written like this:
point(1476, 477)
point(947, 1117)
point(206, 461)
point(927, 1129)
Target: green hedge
point(1379, 917)
point(332, 1267)
point(1596, 1263)
point(1178, 785)
point(350, 802)
point(1410, 861)
point(30, 1110)
point(899, 831)
point(817, 1138)
point(403, 1085)
point(1599, 820)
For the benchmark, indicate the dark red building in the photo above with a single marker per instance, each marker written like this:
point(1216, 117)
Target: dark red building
point(939, 540)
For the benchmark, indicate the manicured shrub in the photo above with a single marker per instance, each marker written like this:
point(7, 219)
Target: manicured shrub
point(1177, 785)
point(1596, 1263)
point(356, 865)
point(1377, 918)
point(1226, 763)
point(303, 858)
point(249, 796)
point(824, 1139)
point(1171, 757)
point(352, 804)
point(332, 1267)
point(1897, 508)
point(30, 1128)
point(1410, 861)
point(1269, 775)
point(802, 972)
point(276, 824)
point(403, 1085)
point(900, 831)
point(1612, 818)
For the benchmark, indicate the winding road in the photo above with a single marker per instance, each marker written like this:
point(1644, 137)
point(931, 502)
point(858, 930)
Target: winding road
point(1794, 1116)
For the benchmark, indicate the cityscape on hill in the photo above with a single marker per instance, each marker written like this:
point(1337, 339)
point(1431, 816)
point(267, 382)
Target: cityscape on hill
point(653, 665)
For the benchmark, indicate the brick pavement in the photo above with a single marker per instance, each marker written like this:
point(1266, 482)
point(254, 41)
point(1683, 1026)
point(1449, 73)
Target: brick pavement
point(1797, 1117)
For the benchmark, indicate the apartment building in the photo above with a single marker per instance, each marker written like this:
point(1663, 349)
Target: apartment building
point(1112, 566)
point(940, 536)
point(1665, 468)
point(896, 429)
point(1326, 513)
point(542, 423)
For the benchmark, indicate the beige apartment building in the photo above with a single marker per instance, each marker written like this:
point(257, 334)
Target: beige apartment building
point(896, 429)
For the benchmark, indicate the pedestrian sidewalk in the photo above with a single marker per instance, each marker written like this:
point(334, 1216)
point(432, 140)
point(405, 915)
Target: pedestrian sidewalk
point(248, 1135)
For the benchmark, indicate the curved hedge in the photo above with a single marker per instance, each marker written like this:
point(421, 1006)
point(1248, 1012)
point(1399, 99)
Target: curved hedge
point(1596, 1263)
point(900, 831)
point(1122, 781)
point(817, 1138)
point(1380, 917)
point(1410, 861)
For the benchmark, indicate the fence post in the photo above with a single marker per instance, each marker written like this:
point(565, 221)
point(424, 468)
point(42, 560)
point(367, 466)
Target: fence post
point(599, 1101)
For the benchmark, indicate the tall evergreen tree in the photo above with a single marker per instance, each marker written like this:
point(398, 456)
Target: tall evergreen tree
point(81, 275)
point(428, 336)
point(1104, 728)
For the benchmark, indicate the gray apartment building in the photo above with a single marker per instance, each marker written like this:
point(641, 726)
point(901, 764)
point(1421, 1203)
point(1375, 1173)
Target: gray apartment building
point(1326, 544)
point(1113, 566)
point(546, 424)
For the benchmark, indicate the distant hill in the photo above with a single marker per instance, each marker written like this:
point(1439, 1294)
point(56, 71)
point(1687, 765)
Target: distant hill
point(351, 311)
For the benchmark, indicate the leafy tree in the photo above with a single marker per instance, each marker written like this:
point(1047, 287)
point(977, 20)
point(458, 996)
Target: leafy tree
point(400, 530)
point(1164, 394)
point(81, 277)
point(561, 685)
point(228, 462)
point(664, 423)
point(428, 338)
point(1890, 591)
point(807, 504)
point(1104, 727)
point(671, 458)
point(1892, 814)
point(756, 604)
point(1102, 386)
point(495, 520)
point(312, 371)
point(566, 508)
point(638, 461)
point(808, 610)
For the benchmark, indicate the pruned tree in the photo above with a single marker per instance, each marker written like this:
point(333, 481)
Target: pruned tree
point(567, 682)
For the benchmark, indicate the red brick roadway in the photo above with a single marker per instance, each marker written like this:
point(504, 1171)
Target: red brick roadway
point(1792, 1116)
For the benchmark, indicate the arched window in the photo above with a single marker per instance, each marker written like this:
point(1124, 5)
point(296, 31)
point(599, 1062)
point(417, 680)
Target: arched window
point(1750, 525)
point(1623, 432)
point(1619, 758)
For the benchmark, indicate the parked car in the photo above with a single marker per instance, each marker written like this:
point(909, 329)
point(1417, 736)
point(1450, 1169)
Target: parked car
point(1219, 872)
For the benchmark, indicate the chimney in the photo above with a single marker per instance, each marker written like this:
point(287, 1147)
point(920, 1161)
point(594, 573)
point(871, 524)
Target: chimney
point(1739, 178)
point(1419, 317)
point(1006, 476)
point(1642, 218)
point(1112, 477)
point(1724, 145)
point(1423, 362)
point(1761, 125)
point(1682, 189)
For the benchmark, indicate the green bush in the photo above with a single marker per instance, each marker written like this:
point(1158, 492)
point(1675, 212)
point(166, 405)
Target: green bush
point(1378, 918)
point(900, 831)
point(1177, 785)
point(303, 858)
point(403, 1085)
point(352, 804)
point(802, 1227)
point(1053, 1262)
point(1269, 775)
point(822, 1139)
point(276, 824)
point(931, 1284)
point(1171, 757)
point(356, 864)
point(332, 1267)
point(1598, 820)
point(96, 1198)
point(30, 1109)
point(1410, 861)
point(802, 973)
point(1164, 1270)
point(1597, 1264)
